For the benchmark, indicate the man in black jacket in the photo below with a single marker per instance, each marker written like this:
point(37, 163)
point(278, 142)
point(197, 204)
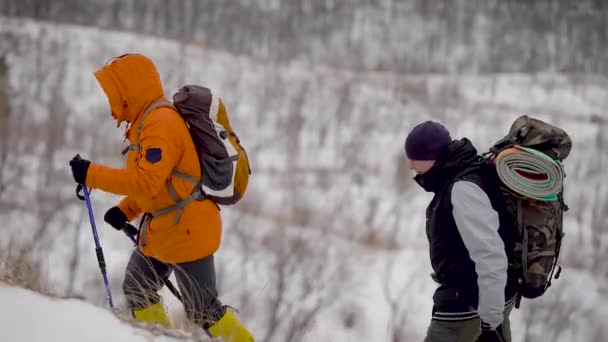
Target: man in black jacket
point(470, 238)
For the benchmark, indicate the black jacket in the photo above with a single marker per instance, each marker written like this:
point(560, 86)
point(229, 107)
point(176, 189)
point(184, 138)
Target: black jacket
point(452, 264)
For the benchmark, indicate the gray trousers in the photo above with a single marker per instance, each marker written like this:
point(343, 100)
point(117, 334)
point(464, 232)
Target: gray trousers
point(196, 280)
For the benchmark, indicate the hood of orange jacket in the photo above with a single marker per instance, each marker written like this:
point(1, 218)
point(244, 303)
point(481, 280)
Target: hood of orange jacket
point(131, 83)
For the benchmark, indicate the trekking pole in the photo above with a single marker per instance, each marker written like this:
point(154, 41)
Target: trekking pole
point(100, 259)
point(131, 231)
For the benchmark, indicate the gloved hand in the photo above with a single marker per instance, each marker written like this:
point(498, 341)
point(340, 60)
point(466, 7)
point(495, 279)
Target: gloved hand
point(115, 218)
point(489, 335)
point(80, 167)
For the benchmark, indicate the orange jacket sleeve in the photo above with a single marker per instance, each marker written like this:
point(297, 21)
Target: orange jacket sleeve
point(159, 154)
point(129, 207)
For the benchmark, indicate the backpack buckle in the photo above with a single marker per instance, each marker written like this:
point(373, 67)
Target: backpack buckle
point(131, 147)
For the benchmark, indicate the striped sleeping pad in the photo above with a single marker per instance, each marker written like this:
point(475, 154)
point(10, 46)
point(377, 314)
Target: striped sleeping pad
point(530, 173)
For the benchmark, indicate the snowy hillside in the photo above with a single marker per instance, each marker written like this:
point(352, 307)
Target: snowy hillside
point(307, 127)
point(329, 242)
point(416, 36)
point(29, 316)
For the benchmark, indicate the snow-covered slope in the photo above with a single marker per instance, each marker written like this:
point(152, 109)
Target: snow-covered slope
point(29, 316)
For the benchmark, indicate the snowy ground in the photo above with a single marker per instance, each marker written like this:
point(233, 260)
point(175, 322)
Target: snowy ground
point(34, 317)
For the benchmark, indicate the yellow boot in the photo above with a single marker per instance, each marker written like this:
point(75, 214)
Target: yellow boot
point(154, 313)
point(230, 329)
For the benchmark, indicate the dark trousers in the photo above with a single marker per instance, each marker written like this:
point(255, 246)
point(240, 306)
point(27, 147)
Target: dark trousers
point(196, 280)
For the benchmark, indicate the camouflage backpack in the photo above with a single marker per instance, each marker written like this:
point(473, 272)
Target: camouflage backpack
point(539, 222)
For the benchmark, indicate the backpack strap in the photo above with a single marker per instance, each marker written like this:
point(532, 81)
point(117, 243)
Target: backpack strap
point(524, 235)
point(179, 203)
point(185, 177)
point(140, 126)
point(521, 229)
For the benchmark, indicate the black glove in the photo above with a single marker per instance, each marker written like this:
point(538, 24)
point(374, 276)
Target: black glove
point(488, 335)
point(115, 218)
point(80, 167)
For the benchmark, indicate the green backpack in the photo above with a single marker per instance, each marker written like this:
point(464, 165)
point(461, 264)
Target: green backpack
point(539, 231)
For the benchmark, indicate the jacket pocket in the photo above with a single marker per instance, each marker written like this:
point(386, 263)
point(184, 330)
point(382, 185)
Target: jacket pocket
point(445, 296)
point(449, 304)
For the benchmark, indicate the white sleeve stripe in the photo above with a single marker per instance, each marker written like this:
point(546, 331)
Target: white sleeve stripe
point(478, 223)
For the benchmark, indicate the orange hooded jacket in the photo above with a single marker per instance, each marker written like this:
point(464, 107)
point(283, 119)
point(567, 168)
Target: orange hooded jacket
point(131, 83)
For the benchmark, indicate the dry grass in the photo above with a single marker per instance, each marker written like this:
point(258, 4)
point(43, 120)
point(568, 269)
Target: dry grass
point(19, 268)
point(144, 289)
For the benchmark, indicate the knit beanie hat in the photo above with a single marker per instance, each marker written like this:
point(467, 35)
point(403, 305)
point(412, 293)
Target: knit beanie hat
point(426, 140)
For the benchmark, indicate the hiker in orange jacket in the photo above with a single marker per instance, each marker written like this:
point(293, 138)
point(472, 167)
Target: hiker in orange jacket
point(183, 241)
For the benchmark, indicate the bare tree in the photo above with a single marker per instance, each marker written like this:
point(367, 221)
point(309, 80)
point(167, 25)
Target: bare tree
point(491, 36)
point(398, 300)
point(550, 317)
point(306, 278)
point(50, 204)
point(5, 120)
point(73, 262)
point(599, 204)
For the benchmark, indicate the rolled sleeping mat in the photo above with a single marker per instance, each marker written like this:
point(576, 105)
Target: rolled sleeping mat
point(530, 173)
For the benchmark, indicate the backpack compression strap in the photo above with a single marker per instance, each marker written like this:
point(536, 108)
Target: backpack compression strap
point(179, 203)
